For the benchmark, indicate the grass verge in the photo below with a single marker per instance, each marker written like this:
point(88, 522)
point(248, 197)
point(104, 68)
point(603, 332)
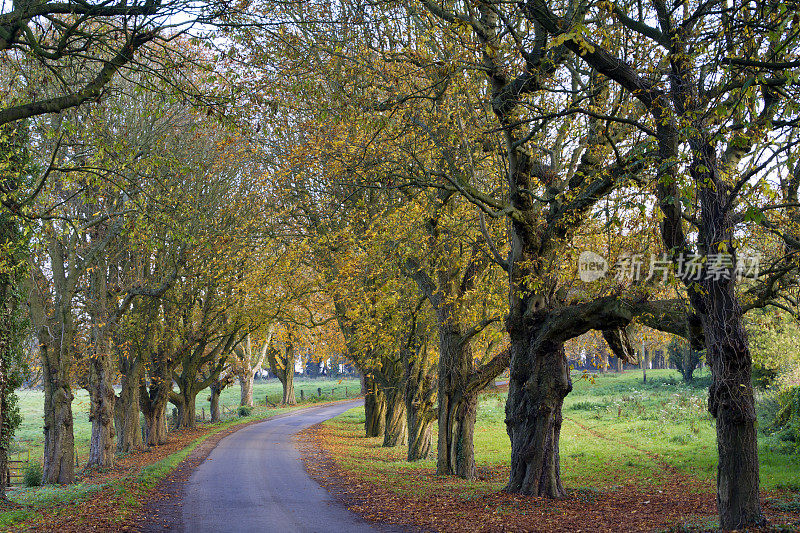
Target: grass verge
point(635, 456)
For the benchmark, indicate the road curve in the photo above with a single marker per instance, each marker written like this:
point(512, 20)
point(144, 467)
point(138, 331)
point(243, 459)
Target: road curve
point(254, 480)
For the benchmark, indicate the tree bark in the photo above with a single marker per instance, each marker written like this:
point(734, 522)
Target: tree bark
point(246, 369)
point(396, 430)
point(457, 414)
point(186, 402)
point(126, 410)
point(59, 444)
point(457, 405)
point(246, 386)
point(731, 399)
point(153, 399)
point(420, 426)
point(215, 414)
point(374, 409)
point(156, 424)
point(101, 447)
point(538, 384)
point(282, 365)
point(288, 384)
point(419, 397)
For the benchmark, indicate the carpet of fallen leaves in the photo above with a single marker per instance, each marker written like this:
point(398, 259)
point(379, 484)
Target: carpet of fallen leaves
point(101, 511)
point(681, 504)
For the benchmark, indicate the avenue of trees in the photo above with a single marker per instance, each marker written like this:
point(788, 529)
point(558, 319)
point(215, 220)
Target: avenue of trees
point(193, 191)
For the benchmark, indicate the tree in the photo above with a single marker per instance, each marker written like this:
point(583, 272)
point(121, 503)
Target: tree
point(245, 367)
point(282, 362)
point(419, 361)
point(51, 38)
point(52, 302)
point(449, 284)
point(688, 113)
point(685, 359)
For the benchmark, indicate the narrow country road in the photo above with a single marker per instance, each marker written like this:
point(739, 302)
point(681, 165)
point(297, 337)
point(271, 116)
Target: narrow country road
point(254, 480)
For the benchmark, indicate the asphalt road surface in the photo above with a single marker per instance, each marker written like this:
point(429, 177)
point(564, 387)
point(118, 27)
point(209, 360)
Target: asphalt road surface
point(254, 480)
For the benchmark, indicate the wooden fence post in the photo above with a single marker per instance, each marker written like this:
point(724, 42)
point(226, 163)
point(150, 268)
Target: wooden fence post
point(302, 395)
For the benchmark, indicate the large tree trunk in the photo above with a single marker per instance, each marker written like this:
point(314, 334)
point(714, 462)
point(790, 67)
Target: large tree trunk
point(288, 384)
point(246, 385)
point(101, 378)
point(457, 406)
point(731, 399)
point(187, 410)
point(457, 414)
point(215, 414)
point(282, 365)
point(538, 384)
point(153, 402)
point(101, 447)
point(126, 410)
point(59, 444)
point(156, 424)
point(420, 425)
point(374, 409)
point(396, 431)
point(419, 398)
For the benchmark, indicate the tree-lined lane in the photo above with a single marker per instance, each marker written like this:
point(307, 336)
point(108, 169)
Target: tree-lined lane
point(254, 480)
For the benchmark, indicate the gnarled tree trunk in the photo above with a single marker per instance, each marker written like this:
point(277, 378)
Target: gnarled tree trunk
point(246, 367)
point(214, 400)
point(156, 424)
point(153, 400)
point(101, 447)
point(458, 405)
point(101, 379)
point(731, 400)
point(419, 396)
point(374, 409)
point(539, 382)
point(59, 444)
point(282, 365)
point(288, 384)
point(186, 403)
point(420, 426)
point(396, 431)
point(127, 421)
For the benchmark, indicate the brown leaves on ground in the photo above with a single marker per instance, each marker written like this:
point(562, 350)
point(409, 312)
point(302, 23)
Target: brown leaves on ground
point(101, 510)
point(682, 503)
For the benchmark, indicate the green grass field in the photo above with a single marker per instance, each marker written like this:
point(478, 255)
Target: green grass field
point(29, 436)
point(616, 424)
